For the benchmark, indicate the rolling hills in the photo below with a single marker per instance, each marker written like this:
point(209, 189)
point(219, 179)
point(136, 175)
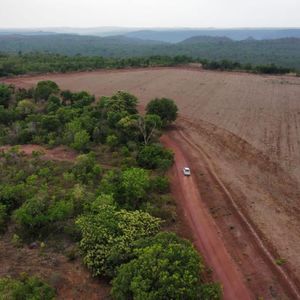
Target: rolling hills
point(283, 52)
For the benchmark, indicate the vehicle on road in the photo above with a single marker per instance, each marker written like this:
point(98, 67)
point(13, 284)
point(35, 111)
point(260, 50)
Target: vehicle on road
point(186, 171)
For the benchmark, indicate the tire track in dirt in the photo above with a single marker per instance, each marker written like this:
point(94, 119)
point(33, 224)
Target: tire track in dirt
point(204, 229)
point(286, 282)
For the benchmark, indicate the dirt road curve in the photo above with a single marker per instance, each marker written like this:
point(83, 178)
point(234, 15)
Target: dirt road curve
point(206, 237)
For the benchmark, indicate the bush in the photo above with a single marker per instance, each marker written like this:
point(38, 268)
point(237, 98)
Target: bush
point(86, 168)
point(154, 156)
point(108, 235)
point(3, 217)
point(160, 184)
point(210, 291)
point(32, 215)
point(13, 195)
point(38, 213)
point(112, 141)
point(27, 288)
point(165, 267)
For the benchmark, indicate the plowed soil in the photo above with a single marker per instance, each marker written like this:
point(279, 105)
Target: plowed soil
point(244, 130)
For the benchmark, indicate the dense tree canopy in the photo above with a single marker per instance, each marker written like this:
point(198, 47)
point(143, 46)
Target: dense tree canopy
point(108, 235)
point(165, 108)
point(165, 267)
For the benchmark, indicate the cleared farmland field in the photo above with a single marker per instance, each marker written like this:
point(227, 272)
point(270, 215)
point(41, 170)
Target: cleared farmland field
point(248, 129)
point(262, 110)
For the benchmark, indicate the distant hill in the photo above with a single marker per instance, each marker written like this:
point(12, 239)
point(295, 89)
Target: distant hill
point(75, 44)
point(178, 35)
point(173, 35)
point(283, 52)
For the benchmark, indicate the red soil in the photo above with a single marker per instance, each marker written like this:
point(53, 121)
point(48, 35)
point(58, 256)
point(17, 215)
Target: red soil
point(222, 230)
point(240, 132)
point(204, 230)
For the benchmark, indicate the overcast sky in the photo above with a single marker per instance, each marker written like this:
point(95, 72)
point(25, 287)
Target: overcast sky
point(150, 13)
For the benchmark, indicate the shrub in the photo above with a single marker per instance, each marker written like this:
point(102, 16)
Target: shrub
point(210, 291)
point(280, 261)
point(154, 156)
point(3, 217)
point(32, 215)
point(86, 168)
point(112, 141)
point(39, 213)
point(160, 184)
point(25, 288)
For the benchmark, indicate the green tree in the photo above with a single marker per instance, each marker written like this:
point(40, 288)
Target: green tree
point(112, 141)
point(134, 186)
point(81, 140)
point(165, 108)
point(108, 235)
point(53, 104)
point(32, 215)
point(165, 267)
point(50, 123)
point(26, 107)
point(44, 89)
point(86, 168)
point(149, 127)
point(120, 102)
point(5, 95)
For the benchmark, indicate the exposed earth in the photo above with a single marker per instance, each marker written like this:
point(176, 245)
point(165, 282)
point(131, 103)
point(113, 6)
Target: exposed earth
point(241, 134)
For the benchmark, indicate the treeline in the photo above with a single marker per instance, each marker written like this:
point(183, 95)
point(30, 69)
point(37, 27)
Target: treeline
point(226, 65)
point(113, 201)
point(31, 63)
point(38, 63)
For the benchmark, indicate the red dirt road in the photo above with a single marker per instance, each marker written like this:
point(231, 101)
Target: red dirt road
point(205, 231)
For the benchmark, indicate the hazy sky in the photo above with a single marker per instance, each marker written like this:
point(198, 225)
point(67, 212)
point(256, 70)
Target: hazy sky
point(150, 13)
